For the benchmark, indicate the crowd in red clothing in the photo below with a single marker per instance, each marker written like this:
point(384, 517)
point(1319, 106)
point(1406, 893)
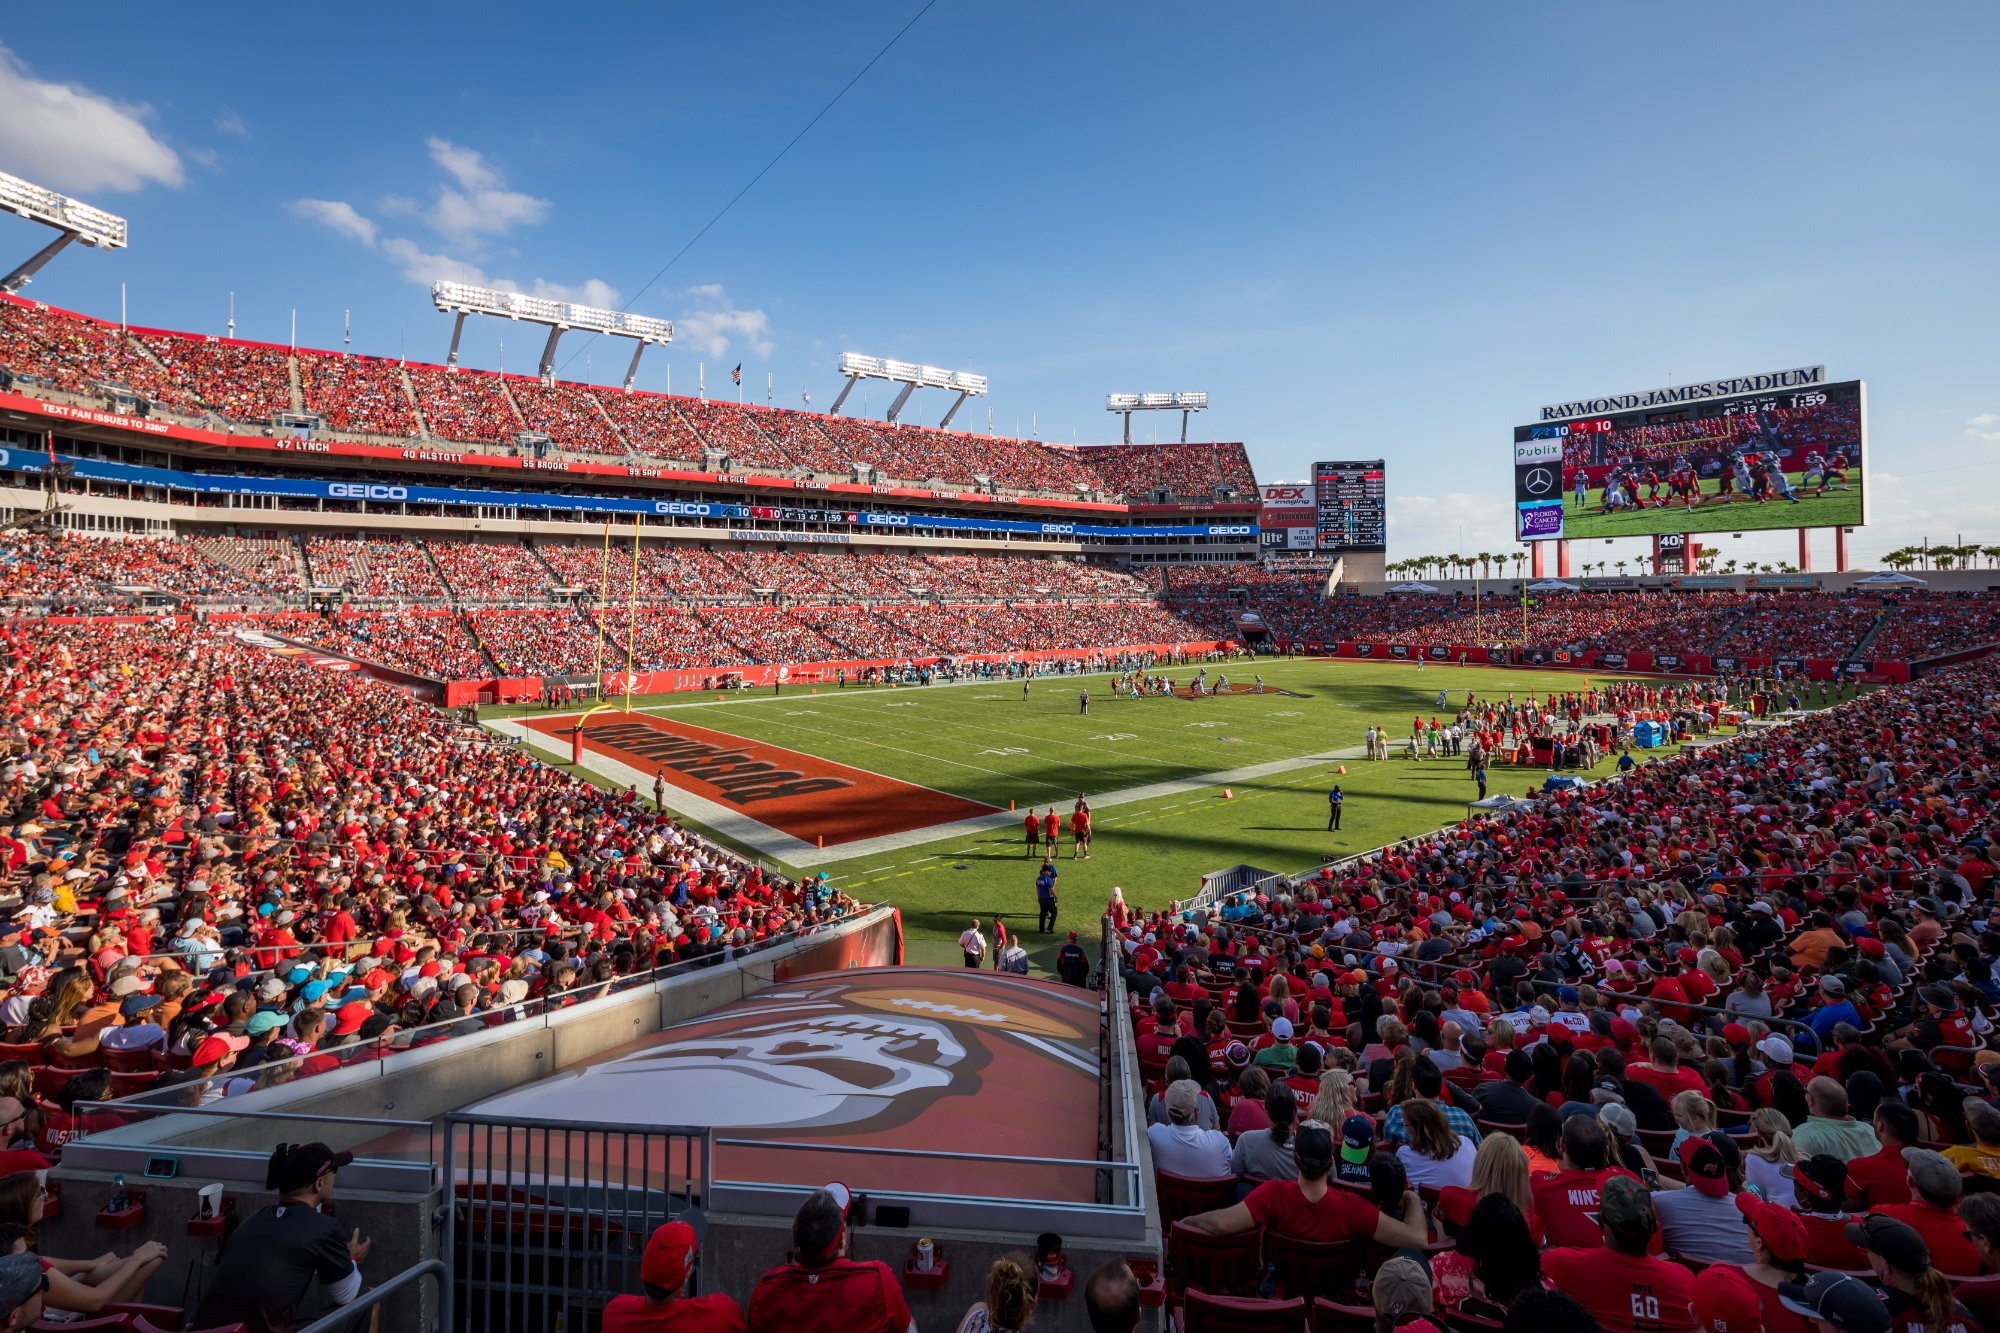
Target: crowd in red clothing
point(1190, 471)
point(1927, 624)
point(1730, 1016)
point(388, 567)
point(438, 644)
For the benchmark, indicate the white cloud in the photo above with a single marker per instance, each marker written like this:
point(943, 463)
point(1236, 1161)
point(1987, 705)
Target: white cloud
point(712, 326)
point(479, 206)
point(1985, 426)
point(337, 214)
point(70, 138)
point(228, 122)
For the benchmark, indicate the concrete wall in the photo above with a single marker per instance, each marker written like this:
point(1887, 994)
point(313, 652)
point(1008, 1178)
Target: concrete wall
point(413, 1086)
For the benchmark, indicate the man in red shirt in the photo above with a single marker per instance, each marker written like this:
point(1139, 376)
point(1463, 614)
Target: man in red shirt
point(1309, 1209)
point(1884, 1177)
point(1932, 1212)
point(1052, 831)
point(825, 1291)
point(666, 1307)
point(1568, 1202)
point(1665, 1074)
point(1620, 1284)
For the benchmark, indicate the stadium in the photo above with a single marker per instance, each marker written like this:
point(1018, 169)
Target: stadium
point(525, 852)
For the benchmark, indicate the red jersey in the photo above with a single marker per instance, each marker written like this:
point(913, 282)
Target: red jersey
point(696, 1314)
point(1879, 1178)
point(1827, 1244)
point(1051, 824)
point(1624, 1291)
point(1951, 1251)
point(846, 1296)
point(1282, 1206)
point(1567, 1204)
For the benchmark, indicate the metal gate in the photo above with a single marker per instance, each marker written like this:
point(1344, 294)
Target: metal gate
point(549, 1219)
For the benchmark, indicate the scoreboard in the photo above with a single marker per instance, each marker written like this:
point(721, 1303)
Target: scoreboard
point(1352, 506)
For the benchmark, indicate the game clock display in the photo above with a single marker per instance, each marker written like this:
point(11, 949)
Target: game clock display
point(1787, 459)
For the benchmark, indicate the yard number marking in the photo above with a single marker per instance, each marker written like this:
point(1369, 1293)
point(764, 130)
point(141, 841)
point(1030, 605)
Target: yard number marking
point(1012, 749)
point(1117, 736)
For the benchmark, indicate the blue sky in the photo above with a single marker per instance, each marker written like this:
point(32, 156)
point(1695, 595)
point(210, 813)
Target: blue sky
point(1389, 230)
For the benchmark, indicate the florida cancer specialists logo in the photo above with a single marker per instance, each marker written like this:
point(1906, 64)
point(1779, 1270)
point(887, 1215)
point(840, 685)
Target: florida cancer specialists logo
point(1542, 520)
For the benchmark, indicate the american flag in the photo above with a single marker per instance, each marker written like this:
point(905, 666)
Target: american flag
point(737, 374)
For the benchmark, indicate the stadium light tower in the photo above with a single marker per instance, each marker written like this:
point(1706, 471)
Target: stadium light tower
point(1125, 404)
point(912, 377)
point(455, 298)
point(73, 219)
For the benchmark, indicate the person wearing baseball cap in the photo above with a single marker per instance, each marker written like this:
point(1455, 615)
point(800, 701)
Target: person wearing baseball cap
point(1701, 1221)
point(1181, 1145)
point(1614, 1281)
point(1836, 1303)
point(664, 1270)
point(1357, 1145)
point(275, 1256)
point(1725, 1301)
point(1931, 1212)
point(1280, 1054)
point(823, 1288)
point(1915, 1292)
point(1819, 1187)
point(1778, 1245)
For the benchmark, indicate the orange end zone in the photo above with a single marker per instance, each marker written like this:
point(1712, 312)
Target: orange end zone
point(795, 793)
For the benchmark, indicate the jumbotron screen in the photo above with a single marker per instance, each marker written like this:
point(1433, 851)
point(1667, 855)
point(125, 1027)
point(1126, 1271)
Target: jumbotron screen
point(1352, 506)
point(1794, 458)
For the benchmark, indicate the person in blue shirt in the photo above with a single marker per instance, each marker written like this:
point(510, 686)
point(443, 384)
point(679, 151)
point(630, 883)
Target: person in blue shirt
point(1836, 1010)
point(1334, 799)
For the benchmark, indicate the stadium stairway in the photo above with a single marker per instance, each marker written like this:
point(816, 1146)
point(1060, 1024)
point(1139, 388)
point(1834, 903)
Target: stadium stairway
point(1714, 645)
point(450, 592)
point(298, 389)
point(555, 579)
point(1875, 627)
point(416, 408)
point(305, 562)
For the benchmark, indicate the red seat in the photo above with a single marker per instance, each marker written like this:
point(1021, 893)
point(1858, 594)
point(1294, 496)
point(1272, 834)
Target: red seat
point(141, 1324)
point(1184, 1196)
point(164, 1060)
point(1333, 1317)
point(109, 1323)
point(1219, 1265)
point(31, 1051)
point(93, 1060)
point(50, 1079)
point(124, 1085)
point(166, 1316)
point(1204, 1313)
point(1310, 1269)
point(128, 1062)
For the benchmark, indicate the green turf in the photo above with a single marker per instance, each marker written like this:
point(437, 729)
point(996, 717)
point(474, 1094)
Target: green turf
point(1834, 509)
point(984, 742)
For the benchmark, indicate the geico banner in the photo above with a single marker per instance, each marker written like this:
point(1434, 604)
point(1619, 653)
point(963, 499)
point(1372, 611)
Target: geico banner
point(202, 483)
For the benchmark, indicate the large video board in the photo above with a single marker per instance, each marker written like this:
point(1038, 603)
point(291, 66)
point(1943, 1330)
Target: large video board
point(1352, 506)
point(1788, 458)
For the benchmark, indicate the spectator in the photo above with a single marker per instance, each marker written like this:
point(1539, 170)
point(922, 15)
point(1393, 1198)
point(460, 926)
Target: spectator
point(1884, 1176)
point(1181, 1145)
point(272, 1259)
point(1111, 1298)
point(1935, 1186)
point(1401, 1293)
point(1773, 1158)
point(1982, 1156)
point(1308, 1208)
point(1496, 1258)
point(79, 1286)
point(1009, 1306)
point(1726, 1302)
point(1917, 1295)
point(1836, 1303)
point(1568, 1201)
point(823, 1288)
point(1434, 1155)
point(1778, 1249)
point(664, 1269)
point(1498, 1167)
point(1831, 1129)
point(23, 1291)
point(1702, 1221)
point(1507, 1099)
point(1620, 1284)
point(1269, 1154)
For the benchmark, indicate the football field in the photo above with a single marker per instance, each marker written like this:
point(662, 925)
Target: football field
point(1837, 508)
point(1177, 786)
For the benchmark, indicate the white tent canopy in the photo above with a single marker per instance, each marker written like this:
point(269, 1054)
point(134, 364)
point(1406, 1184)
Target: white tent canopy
point(1886, 579)
point(1553, 585)
point(1413, 587)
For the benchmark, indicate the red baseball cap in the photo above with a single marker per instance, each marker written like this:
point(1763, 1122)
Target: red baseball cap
point(1725, 1301)
point(1706, 1170)
point(669, 1256)
point(1779, 1228)
point(1736, 1034)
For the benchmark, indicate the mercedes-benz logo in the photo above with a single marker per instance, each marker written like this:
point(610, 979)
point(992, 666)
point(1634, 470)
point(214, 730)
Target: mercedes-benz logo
point(1539, 481)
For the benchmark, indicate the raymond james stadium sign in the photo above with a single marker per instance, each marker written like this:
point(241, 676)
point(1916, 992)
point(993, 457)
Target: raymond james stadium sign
point(1686, 393)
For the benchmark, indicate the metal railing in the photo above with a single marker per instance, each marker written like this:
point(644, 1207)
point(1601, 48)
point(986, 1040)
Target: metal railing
point(346, 1318)
point(560, 1212)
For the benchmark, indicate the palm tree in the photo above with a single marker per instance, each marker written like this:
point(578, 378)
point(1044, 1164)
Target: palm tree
point(1622, 564)
point(1992, 554)
point(1729, 565)
point(1944, 556)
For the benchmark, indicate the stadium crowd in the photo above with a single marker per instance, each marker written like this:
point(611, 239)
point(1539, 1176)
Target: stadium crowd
point(1694, 1049)
point(385, 567)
